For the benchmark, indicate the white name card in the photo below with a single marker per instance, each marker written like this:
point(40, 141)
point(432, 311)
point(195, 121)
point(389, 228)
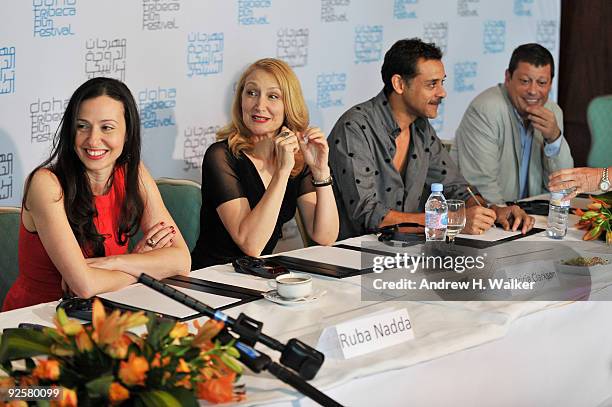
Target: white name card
point(365, 335)
point(537, 277)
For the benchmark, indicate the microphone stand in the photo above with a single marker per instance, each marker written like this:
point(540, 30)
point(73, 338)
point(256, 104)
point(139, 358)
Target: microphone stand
point(297, 355)
point(257, 362)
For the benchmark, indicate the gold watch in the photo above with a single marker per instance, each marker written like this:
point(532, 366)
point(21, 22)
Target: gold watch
point(604, 184)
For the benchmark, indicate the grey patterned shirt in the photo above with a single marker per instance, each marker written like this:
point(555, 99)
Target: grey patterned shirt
point(367, 185)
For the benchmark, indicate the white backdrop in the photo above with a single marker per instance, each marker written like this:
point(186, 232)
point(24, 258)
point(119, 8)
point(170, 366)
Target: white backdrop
point(182, 58)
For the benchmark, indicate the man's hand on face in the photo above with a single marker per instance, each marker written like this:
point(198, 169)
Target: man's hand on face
point(545, 121)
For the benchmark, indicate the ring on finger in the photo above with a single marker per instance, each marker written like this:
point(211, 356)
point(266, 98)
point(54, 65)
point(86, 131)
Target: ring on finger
point(151, 243)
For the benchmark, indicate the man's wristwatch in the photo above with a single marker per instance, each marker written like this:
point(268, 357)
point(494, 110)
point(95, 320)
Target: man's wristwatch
point(604, 184)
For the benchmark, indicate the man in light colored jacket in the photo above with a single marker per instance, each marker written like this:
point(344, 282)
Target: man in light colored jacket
point(511, 136)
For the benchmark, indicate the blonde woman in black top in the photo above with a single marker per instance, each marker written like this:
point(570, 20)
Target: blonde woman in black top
point(267, 161)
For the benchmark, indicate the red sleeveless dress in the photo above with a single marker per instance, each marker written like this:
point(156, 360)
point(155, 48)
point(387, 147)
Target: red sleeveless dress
point(39, 280)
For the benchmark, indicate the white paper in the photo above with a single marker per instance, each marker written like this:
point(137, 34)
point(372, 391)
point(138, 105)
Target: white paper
point(143, 297)
point(492, 235)
point(225, 274)
point(331, 255)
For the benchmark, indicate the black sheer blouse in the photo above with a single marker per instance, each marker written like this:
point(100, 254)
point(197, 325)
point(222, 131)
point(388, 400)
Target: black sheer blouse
point(226, 177)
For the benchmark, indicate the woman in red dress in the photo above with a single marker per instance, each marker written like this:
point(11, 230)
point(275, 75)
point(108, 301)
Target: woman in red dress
point(82, 205)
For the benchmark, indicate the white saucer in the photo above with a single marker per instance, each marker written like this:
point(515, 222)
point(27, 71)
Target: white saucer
point(274, 297)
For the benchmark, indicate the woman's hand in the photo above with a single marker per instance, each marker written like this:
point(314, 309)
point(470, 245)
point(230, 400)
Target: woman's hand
point(285, 146)
point(316, 151)
point(159, 236)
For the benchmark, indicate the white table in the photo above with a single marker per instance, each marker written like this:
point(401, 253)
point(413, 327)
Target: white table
point(489, 354)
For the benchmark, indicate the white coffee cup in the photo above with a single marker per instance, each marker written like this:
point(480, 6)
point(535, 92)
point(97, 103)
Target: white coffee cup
point(294, 285)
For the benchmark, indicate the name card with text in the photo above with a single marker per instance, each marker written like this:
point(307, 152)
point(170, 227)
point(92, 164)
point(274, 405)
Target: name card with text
point(365, 335)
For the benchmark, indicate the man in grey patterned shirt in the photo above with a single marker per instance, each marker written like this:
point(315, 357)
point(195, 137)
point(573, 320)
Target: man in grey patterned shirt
point(385, 155)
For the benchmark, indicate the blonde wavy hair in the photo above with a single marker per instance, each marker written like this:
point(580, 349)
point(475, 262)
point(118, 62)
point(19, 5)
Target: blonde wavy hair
point(296, 112)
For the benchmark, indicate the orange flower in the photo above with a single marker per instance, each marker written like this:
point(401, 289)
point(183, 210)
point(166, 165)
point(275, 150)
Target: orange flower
point(184, 382)
point(28, 381)
point(107, 329)
point(180, 330)
point(117, 393)
point(68, 398)
point(182, 366)
point(119, 348)
point(156, 362)
point(6, 382)
point(17, 403)
point(206, 332)
point(47, 370)
point(217, 390)
point(134, 371)
point(65, 326)
point(83, 342)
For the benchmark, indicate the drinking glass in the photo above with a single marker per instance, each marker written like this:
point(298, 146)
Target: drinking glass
point(456, 218)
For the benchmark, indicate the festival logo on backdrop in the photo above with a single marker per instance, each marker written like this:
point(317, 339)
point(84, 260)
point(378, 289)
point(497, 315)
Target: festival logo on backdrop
point(292, 46)
point(7, 70)
point(45, 117)
point(494, 36)
point(330, 89)
point(334, 10)
point(546, 34)
point(156, 107)
point(436, 33)
point(105, 57)
point(52, 17)
point(368, 43)
point(204, 54)
point(160, 14)
point(197, 141)
point(464, 73)
point(6, 175)
point(403, 9)
point(522, 8)
point(247, 12)
point(467, 8)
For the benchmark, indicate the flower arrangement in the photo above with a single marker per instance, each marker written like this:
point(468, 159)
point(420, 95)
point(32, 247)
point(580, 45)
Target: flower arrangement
point(597, 220)
point(104, 364)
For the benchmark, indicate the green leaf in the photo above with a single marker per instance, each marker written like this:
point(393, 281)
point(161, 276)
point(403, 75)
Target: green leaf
point(158, 330)
point(99, 387)
point(231, 363)
point(233, 352)
point(7, 367)
point(23, 343)
point(159, 398)
point(184, 396)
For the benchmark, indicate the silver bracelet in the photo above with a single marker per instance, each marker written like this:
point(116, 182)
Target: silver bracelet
point(323, 183)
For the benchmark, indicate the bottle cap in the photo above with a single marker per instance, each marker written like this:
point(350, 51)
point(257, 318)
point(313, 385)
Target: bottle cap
point(558, 198)
point(436, 187)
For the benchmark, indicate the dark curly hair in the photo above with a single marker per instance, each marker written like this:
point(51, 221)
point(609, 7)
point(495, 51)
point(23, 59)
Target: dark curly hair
point(402, 58)
point(70, 171)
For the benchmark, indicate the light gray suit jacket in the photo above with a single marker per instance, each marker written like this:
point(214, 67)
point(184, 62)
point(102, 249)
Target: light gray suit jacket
point(487, 148)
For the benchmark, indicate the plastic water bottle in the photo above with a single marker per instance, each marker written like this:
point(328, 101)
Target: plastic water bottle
point(436, 214)
point(558, 211)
